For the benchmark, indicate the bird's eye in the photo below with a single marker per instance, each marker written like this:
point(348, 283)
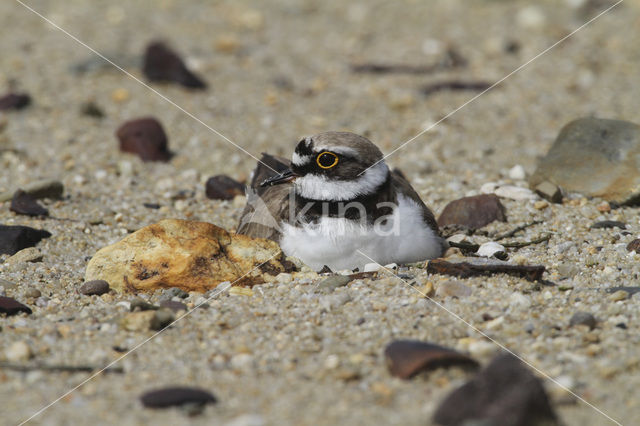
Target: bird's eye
point(327, 160)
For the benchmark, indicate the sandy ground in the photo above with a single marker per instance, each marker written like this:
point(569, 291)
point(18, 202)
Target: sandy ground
point(277, 71)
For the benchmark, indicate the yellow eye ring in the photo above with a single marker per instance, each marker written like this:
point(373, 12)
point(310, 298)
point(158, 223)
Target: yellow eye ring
point(335, 160)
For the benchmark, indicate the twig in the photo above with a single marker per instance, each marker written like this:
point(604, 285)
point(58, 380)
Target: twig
point(515, 230)
point(58, 367)
point(542, 239)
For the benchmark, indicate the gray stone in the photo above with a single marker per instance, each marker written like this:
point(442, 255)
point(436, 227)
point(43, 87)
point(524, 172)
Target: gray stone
point(333, 282)
point(46, 188)
point(595, 157)
point(583, 318)
point(549, 191)
point(97, 287)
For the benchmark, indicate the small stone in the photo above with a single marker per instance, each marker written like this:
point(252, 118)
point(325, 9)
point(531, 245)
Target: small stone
point(11, 306)
point(162, 64)
point(47, 188)
point(28, 255)
point(18, 351)
point(406, 358)
point(540, 205)
point(144, 137)
point(175, 396)
point(372, 267)
point(32, 293)
point(634, 245)
point(608, 224)
point(16, 238)
point(333, 282)
point(549, 191)
point(492, 249)
point(174, 305)
point(138, 304)
point(23, 203)
point(596, 158)
point(453, 289)
point(604, 207)
point(95, 287)
point(473, 212)
point(222, 187)
point(175, 292)
point(14, 101)
point(630, 290)
point(517, 172)
point(503, 393)
point(619, 295)
point(583, 318)
point(515, 193)
point(90, 109)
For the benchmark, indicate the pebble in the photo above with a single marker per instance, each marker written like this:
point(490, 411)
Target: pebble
point(32, 293)
point(504, 392)
point(549, 191)
point(173, 305)
point(162, 64)
point(138, 304)
point(594, 157)
point(492, 249)
point(333, 282)
point(175, 396)
point(453, 289)
point(11, 306)
point(619, 295)
point(608, 224)
point(583, 318)
point(540, 205)
point(372, 267)
point(95, 287)
point(144, 137)
point(517, 172)
point(634, 245)
point(473, 212)
point(28, 255)
point(16, 238)
point(223, 187)
point(406, 358)
point(46, 188)
point(175, 292)
point(18, 351)
point(515, 193)
point(14, 101)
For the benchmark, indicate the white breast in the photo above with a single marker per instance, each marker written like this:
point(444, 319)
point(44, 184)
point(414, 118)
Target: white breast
point(335, 242)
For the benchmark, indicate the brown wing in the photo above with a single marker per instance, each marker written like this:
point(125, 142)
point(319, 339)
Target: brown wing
point(400, 182)
point(266, 207)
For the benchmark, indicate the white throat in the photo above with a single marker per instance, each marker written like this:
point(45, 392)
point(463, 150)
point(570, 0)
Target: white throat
point(316, 187)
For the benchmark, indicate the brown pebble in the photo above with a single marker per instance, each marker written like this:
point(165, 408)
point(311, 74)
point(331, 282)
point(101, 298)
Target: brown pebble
point(144, 137)
point(473, 212)
point(95, 287)
point(11, 306)
point(14, 101)
point(172, 396)
point(222, 187)
point(32, 293)
point(406, 358)
point(634, 245)
point(15, 238)
point(164, 65)
point(23, 203)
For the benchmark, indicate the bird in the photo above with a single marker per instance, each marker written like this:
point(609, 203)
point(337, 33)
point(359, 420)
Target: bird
point(337, 204)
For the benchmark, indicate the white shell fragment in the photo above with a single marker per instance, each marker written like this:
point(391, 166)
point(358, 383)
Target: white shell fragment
point(515, 193)
point(517, 172)
point(489, 249)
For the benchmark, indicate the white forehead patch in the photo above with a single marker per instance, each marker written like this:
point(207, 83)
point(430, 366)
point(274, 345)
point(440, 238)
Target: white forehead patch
point(315, 187)
point(344, 150)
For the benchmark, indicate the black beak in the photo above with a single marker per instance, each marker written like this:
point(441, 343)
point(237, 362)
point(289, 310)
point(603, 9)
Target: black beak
point(284, 177)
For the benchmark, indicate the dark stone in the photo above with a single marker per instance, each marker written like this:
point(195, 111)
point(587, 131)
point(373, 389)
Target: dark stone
point(222, 187)
point(11, 306)
point(630, 290)
point(504, 393)
point(90, 109)
point(23, 203)
point(144, 137)
point(607, 224)
point(595, 157)
point(406, 358)
point(473, 212)
point(15, 238)
point(634, 245)
point(138, 304)
point(164, 65)
point(173, 305)
point(95, 287)
point(583, 318)
point(14, 101)
point(176, 396)
point(153, 206)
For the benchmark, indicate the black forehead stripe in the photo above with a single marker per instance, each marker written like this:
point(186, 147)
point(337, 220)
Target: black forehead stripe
point(303, 149)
